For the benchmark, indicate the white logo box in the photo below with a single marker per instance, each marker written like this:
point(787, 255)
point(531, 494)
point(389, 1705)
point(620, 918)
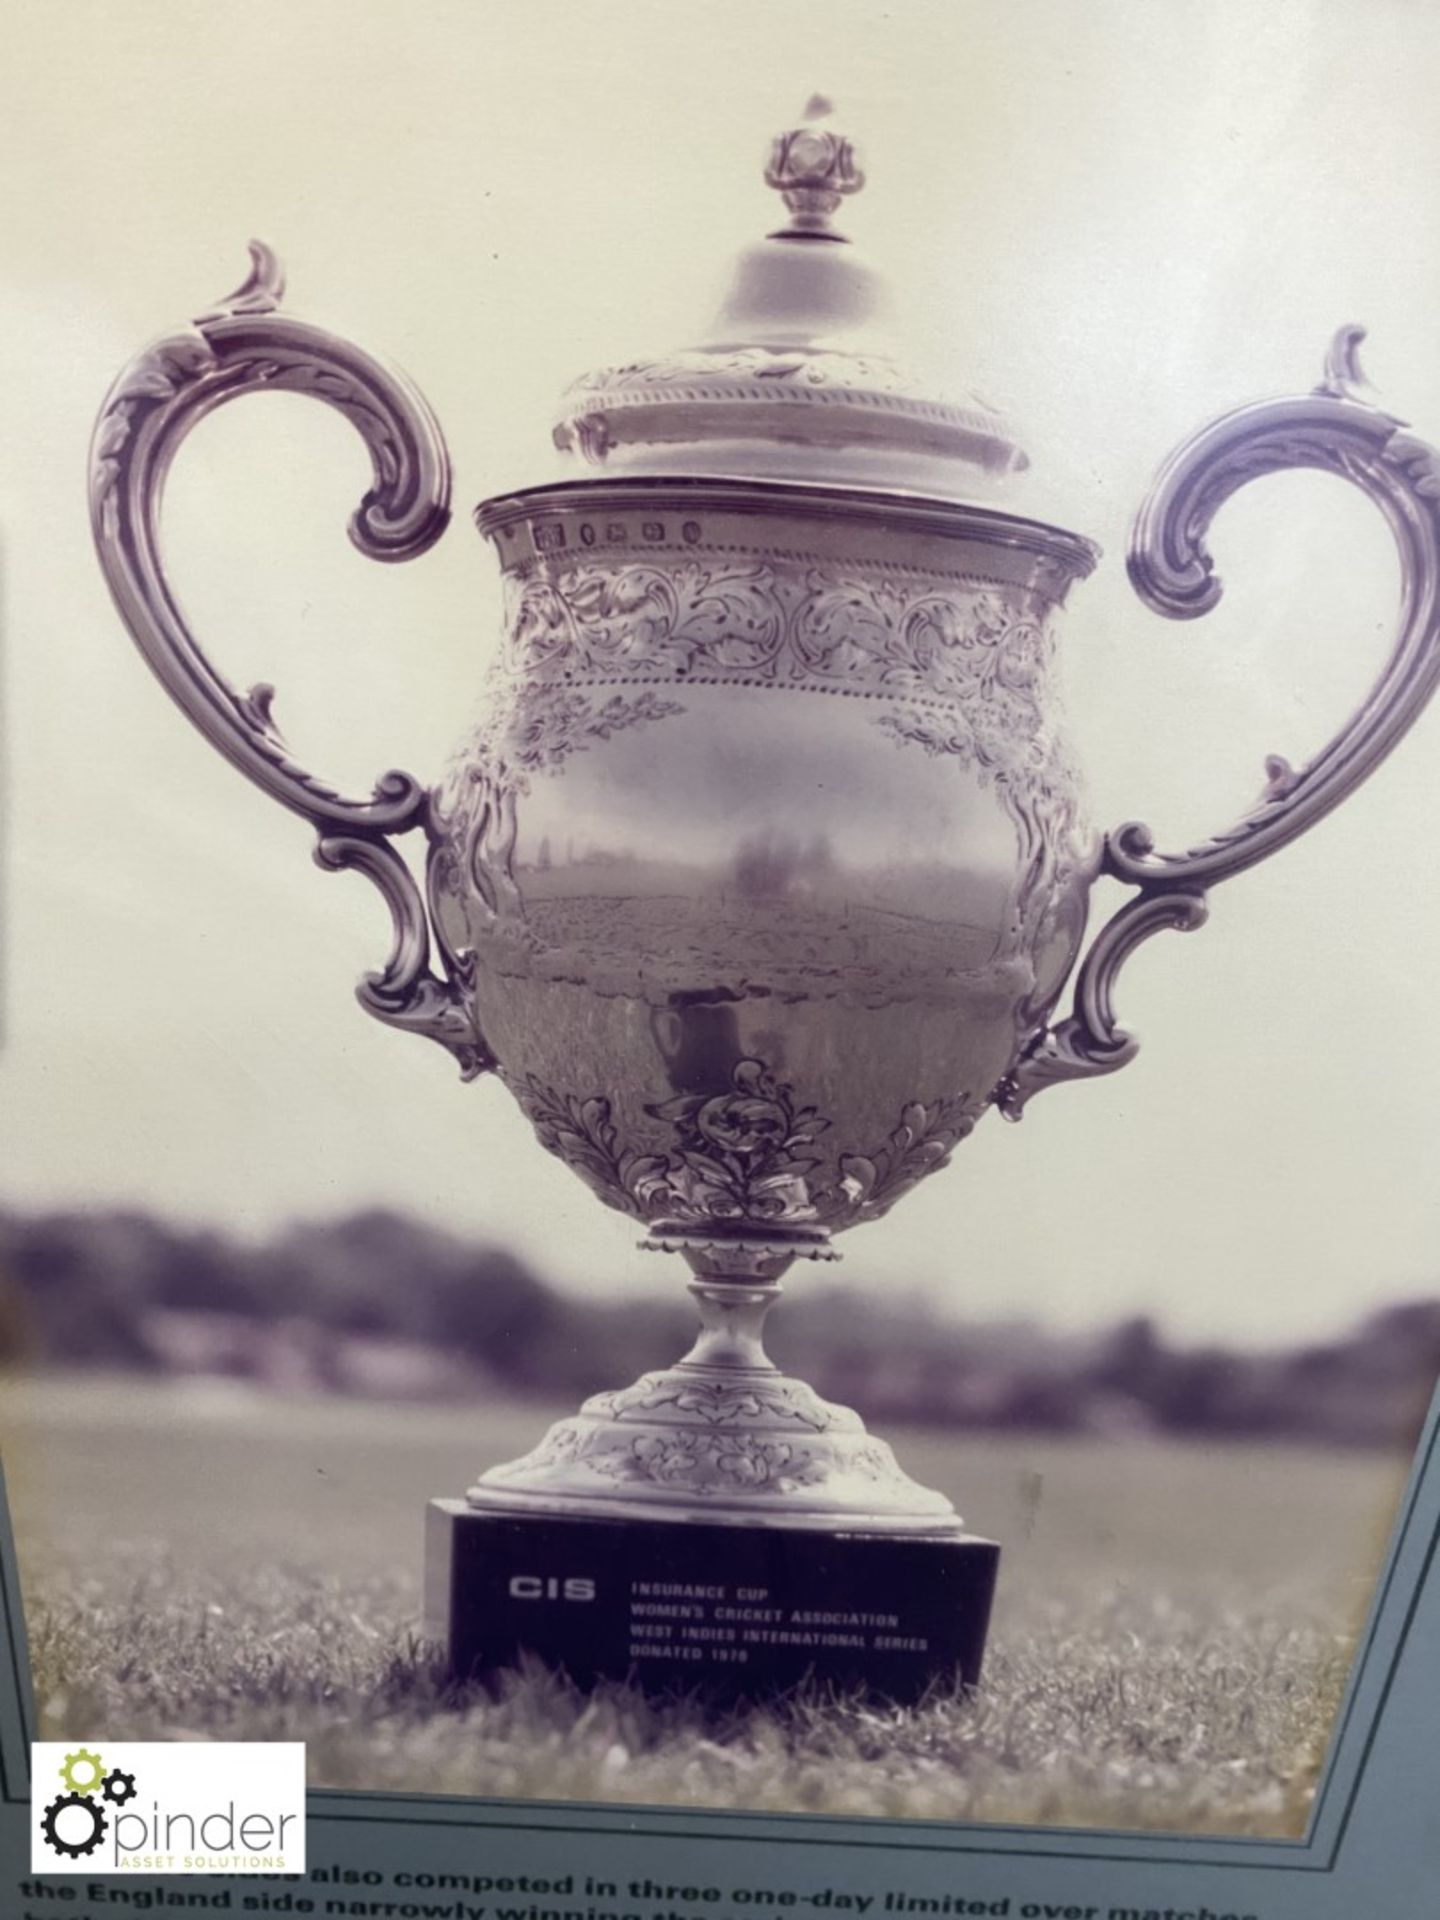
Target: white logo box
point(102, 1807)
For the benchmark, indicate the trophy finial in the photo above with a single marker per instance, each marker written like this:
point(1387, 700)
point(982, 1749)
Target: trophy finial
point(813, 168)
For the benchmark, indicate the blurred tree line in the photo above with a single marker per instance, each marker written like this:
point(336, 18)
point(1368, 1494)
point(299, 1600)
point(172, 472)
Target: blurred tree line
point(383, 1304)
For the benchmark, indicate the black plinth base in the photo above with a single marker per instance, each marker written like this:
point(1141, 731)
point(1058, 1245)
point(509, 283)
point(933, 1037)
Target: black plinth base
point(730, 1612)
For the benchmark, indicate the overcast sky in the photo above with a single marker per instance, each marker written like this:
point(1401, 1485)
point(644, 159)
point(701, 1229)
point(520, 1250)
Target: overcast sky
point(1118, 219)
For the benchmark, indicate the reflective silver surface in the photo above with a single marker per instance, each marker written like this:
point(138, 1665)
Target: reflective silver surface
point(770, 849)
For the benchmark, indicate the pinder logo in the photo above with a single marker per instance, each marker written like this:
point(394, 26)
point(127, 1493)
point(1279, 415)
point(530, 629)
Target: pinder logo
point(168, 1807)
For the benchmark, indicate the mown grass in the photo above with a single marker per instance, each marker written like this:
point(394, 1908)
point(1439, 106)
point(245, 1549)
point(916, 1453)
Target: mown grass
point(1172, 1635)
point(1135, 1714)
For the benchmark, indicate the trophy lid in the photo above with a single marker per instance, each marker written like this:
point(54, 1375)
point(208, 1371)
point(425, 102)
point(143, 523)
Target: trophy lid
point(796, 379)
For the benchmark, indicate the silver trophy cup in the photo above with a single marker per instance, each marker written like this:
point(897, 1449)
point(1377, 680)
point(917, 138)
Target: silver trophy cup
point(760, 879)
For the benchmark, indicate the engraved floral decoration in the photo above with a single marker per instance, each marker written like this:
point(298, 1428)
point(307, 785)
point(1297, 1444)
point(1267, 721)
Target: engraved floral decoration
point(820, 627)
point(921, 1144)
point(709, 1456)
point(544, 733)
point(692, 1460)
point(750, 1156)
point(732, 1456)
point(743, 1155)
point(741, 1401)
point(975, 647)
point(474, 811)
point(640, 618)
point(582, 1133)
point(964, 672)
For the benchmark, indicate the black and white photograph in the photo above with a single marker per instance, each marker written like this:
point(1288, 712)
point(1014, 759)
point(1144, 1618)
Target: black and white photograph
point(903, 537)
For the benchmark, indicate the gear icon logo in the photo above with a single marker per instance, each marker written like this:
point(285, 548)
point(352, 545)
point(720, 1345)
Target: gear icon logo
point(78, 1819)
point(118, 1787)
point(81, 1835)
point(82, 1771)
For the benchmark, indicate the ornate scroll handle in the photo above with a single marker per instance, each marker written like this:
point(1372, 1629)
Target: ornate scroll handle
point(1336, 429)
point(244, 345)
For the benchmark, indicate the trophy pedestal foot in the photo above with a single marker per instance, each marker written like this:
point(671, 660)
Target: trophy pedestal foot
point(728, 1611)
point(716, 1528)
